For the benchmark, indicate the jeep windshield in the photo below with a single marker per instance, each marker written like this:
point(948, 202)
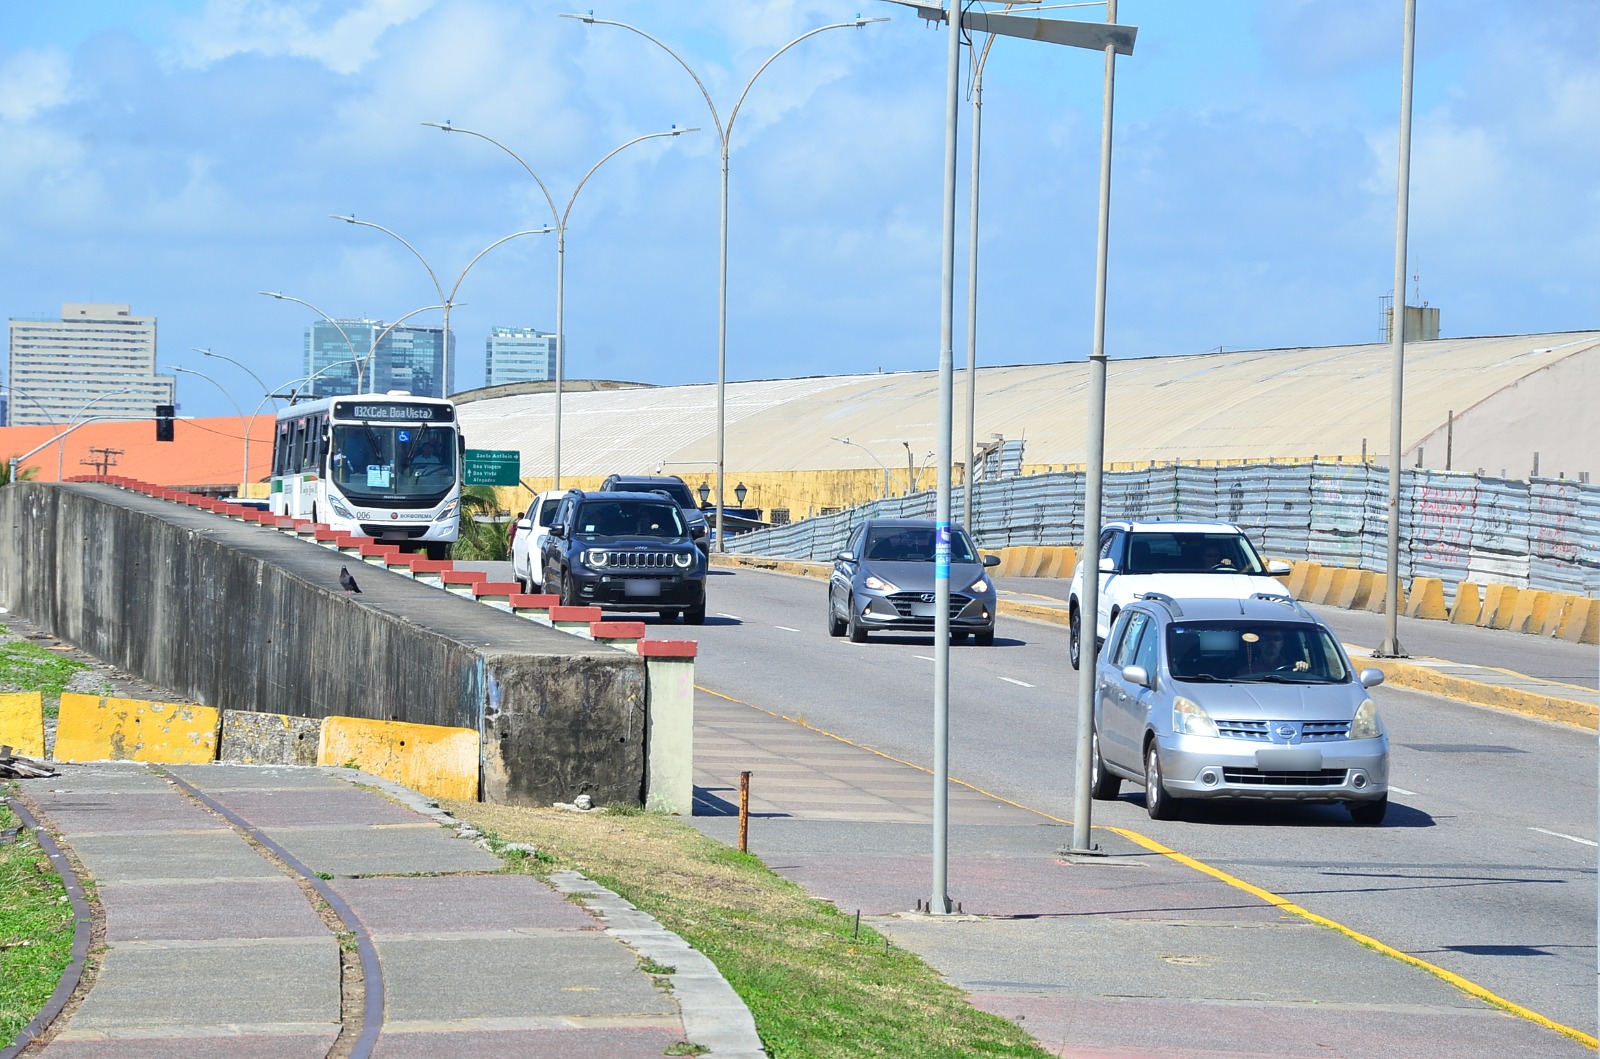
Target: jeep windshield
point(1157, 552)
point(629, 518)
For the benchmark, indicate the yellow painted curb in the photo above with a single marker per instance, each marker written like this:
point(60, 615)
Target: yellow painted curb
point(437, 761)
point(22, 722)
point(1528, 703)
point(92, 728)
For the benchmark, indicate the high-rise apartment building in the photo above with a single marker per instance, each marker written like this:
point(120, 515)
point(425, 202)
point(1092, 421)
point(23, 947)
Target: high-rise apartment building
point(391, 358)
point(519, 354)
point(97, 360)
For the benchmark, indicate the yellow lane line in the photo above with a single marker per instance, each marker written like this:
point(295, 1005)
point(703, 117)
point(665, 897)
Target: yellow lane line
point(1463, 984)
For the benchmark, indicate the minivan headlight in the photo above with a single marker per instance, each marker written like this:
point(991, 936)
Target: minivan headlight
point(1190, 718)
point(1365, 724)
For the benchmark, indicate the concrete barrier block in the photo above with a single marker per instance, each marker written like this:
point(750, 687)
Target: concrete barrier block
point(1499, 603)
point(1377, 601)
point(250, 738)
point(1528, 615)
point(22, 722)
point(438, 761)
point(1064, 560)
point(1581, 623)
point(1329, 581)
point(1468, 605)
point(92, 728)
point(669, 724)
point(1010, 561)
point(1560, 604)
point(1357, 590)
point(1302, 577)
point(1426, 599)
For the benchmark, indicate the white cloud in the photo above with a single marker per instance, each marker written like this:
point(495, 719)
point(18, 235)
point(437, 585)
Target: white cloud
point(343, 40)
point(31, 82)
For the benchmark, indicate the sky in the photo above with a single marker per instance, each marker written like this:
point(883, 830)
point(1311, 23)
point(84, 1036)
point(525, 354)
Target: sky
point(181, 156)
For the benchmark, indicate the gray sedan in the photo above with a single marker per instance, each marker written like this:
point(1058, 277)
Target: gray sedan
point(885, 580)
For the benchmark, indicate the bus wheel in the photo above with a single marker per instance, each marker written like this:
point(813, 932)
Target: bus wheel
point(438, 549)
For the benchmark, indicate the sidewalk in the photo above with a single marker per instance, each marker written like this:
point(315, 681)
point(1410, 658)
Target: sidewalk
point(277, 912)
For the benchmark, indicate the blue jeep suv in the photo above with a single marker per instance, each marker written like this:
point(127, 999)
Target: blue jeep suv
point(626, 551)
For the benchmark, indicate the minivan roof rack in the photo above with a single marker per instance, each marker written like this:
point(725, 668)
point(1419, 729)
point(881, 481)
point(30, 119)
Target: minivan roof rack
point(1165, 600)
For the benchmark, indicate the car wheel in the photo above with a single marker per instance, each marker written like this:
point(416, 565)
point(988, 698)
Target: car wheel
point(984, 637)
point(1157, 802)
point(438, 550)
point(958, 637)
point(670, 615)
point(858, 632)
point(569, 591)
point(1074, 637)
point(1369, 814)
point(836, 624)
point(695, 615)
point(1103, 786)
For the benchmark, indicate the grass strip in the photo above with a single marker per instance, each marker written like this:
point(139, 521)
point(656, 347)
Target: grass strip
point(816, 988)
point(26, 666)
point(35, 926)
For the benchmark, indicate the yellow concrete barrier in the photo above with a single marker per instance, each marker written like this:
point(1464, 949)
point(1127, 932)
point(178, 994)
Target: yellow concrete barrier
point(1065, 561)
point(22, 722)
point(1330, 583)
point(1581, 624)
point(1468, 604)
point(1303, 578)
point(1377, 602)
point(1359, 589)
point(1427, 599)
point(1532, 605)
point(92, 728)
point(437, 761)
point(1498, 603)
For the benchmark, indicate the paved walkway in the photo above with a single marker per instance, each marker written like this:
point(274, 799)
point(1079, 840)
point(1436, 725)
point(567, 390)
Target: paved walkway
point(277, 912)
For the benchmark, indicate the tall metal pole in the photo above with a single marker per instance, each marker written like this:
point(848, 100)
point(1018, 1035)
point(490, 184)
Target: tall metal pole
point(1094, 465)
point(560, 228)
point(1390, 648)
point(244, 479)
point(73, 423)
point(354, 356)
point(725, 135)
point(939, 900)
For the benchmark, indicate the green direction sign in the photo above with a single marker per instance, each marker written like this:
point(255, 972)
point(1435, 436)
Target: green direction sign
point(492, 467)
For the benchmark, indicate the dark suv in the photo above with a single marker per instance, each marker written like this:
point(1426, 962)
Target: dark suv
point(628, 551)
point(672, 486)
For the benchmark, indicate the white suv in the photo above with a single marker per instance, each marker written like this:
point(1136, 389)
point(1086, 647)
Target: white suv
point(1185, 560)
point(527, 534)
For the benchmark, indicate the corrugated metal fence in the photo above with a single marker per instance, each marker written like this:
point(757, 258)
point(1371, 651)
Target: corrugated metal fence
point(1543, 533)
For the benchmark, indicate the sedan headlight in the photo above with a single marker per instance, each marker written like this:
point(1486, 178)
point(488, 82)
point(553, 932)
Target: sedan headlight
point(1365, 724)
point(979, 587)
point(684, 560)
point(1190, 718)
point(878, 584)
point(594, 558)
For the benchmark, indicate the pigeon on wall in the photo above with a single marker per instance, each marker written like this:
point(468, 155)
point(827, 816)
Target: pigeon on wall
point(347, 581)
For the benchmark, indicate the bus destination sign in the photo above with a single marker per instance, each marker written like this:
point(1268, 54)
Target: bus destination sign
point(394, 412)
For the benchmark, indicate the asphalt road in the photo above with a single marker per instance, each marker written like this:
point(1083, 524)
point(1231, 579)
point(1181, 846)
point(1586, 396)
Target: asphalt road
point(1485, 865)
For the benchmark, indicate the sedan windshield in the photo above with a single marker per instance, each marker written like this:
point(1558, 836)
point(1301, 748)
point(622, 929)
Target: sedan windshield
point(1255, 652)
point(1161, 552)
point(914, 544)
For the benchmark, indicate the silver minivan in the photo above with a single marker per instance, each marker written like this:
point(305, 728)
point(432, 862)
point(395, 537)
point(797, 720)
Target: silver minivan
point(1235, 699)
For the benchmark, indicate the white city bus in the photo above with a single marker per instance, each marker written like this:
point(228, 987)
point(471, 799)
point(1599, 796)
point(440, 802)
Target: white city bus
point(386, 466)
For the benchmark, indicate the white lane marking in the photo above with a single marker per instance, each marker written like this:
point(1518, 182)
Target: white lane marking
point(926, 658)
point(1402, 790)
point(725, 614)
point(785, 628)
point(1018, 683)
point(1569, 838)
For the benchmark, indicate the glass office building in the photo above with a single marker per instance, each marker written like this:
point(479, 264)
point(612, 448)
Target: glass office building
point(519, 354)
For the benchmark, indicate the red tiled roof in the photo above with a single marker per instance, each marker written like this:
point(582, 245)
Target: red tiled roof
point(203, 452)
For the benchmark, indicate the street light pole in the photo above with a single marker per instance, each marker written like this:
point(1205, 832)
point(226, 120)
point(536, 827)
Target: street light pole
point(446, 302)
point(48, 418)
point(253, 376)
point(724, 135)
point(880, 463)
point(244, 479)
point(354, 356)
point(72, 425)
point(560, 217)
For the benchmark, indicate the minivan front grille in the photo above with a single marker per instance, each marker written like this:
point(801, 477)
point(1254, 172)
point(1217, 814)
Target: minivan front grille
point(1310, 731)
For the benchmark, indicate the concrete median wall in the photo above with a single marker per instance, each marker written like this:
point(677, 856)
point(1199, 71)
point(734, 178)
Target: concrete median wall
point(239, 617)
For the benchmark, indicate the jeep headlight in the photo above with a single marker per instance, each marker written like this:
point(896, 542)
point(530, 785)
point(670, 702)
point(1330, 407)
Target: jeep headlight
point(1365, 724)
point(683, 560)
point(448, 511)
point(1190, 718)
point(595, 558)
point(878, 584)
point(339, 507)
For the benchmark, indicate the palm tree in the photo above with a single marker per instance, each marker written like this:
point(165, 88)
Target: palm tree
point(480, 539)
point(23, 475)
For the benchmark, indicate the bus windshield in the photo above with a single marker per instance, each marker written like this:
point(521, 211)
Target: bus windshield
point(377, 460)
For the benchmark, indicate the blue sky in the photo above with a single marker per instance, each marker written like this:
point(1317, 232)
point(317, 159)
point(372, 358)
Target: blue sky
point(181, 156)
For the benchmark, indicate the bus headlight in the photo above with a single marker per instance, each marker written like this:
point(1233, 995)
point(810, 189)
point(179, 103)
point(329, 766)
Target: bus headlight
point(339, 507)
point(448, 511)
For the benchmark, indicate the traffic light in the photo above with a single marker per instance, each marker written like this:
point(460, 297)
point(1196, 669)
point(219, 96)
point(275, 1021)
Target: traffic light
point(164, 414)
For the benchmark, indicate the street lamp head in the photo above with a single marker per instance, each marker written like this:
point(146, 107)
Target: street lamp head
point(586, 19)
point(705, 493)
point(739, 493)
